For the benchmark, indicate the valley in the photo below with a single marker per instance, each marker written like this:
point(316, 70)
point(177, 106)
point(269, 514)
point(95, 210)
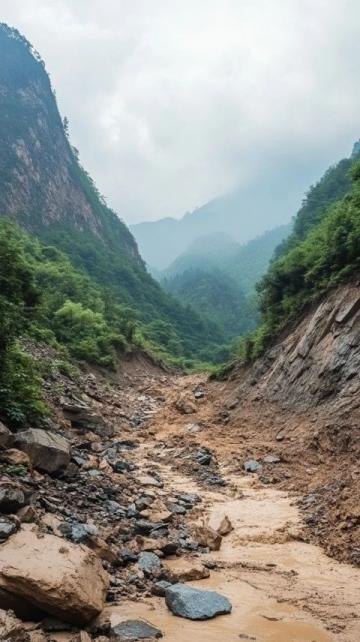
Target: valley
point(162, 451)
point(179, 455)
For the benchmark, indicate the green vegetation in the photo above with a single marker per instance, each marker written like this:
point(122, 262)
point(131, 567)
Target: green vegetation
point(215, 296)
point(44, 298)
point(217, 277)
point(324, 253)
point(20, 397)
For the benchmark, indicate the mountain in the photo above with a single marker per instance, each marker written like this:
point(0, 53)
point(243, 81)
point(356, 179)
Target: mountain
point(217, 277)
point(48, 193)
point(242, 216)
point(215, 296)
point(206, 252)
point(249, 264)
point(322, 251)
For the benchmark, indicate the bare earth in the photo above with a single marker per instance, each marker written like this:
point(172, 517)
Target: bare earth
point(283, 588)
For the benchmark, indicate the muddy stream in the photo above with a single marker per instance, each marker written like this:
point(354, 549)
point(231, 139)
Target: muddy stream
point(281, 589)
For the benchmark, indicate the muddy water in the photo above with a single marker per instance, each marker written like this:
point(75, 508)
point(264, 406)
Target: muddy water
point(281, 589)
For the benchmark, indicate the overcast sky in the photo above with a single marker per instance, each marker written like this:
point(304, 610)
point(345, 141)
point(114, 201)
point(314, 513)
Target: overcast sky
point(172, 102)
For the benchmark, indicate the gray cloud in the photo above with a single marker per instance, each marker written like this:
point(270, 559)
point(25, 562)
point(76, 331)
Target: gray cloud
point(173, 103)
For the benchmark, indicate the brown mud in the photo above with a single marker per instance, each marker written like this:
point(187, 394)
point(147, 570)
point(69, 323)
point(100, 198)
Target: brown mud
point(283, 588)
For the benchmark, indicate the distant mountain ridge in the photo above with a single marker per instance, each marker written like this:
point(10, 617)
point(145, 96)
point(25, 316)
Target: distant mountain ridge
point(242, 215)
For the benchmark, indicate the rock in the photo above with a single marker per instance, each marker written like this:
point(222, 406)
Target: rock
point(194, 604)
point(199, 394)
point(204, 457)
point(27, 514)
point(82, 532)
point(193, 428)
point(63, 579)
point(122, 466)
point(159, 588)
point(83, 418)
point(252, 466)
point(5, 436)
point(12, 497)
point(126, 556)
point(150, 564)
point(271, 459)
point(148, 480)
point(7, 528)
point(207, 537)
point(221, 524)
point(48, 451)
point(190, 499)
point(12, 629)
point(133, 630)
point(186, 571)
point(143, 527)
point(177, 509)
point(16, 457)
point(103, 550)
point(185, 406)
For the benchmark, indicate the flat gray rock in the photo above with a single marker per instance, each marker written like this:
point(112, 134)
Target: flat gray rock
point(133, 630)
point(195, 604)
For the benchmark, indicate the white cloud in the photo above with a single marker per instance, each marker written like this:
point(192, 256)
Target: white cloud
point(172, 103)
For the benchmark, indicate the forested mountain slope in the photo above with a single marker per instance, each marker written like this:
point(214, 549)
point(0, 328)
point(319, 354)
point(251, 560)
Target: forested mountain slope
point(323, 251)
point(46, 191)
point(217, 277)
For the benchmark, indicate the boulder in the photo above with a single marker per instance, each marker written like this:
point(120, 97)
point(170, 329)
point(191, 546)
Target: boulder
point(12, 498)
point(60, 578)
point(193, 604)
point(84, 419)
point(48, 451)
point(5, 436)
point(133, 630)
point(186, 571)
point(207, 537)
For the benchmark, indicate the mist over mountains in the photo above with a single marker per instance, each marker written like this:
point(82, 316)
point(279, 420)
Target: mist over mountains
point(242, 215)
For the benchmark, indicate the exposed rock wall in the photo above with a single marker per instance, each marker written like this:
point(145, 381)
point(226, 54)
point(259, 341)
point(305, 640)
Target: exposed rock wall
point(316, 366)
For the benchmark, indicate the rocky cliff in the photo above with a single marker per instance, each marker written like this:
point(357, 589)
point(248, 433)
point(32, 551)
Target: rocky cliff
point(300, 402)
point(42, 182)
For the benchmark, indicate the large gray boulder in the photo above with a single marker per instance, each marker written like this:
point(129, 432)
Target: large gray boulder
point(48, 451)
point(195, 604)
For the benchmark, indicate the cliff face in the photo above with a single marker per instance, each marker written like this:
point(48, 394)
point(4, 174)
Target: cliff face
point(42, 183)
point(301, 402)
point(316, 366)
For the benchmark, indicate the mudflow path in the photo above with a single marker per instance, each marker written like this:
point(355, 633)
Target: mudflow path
point(281, 588)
